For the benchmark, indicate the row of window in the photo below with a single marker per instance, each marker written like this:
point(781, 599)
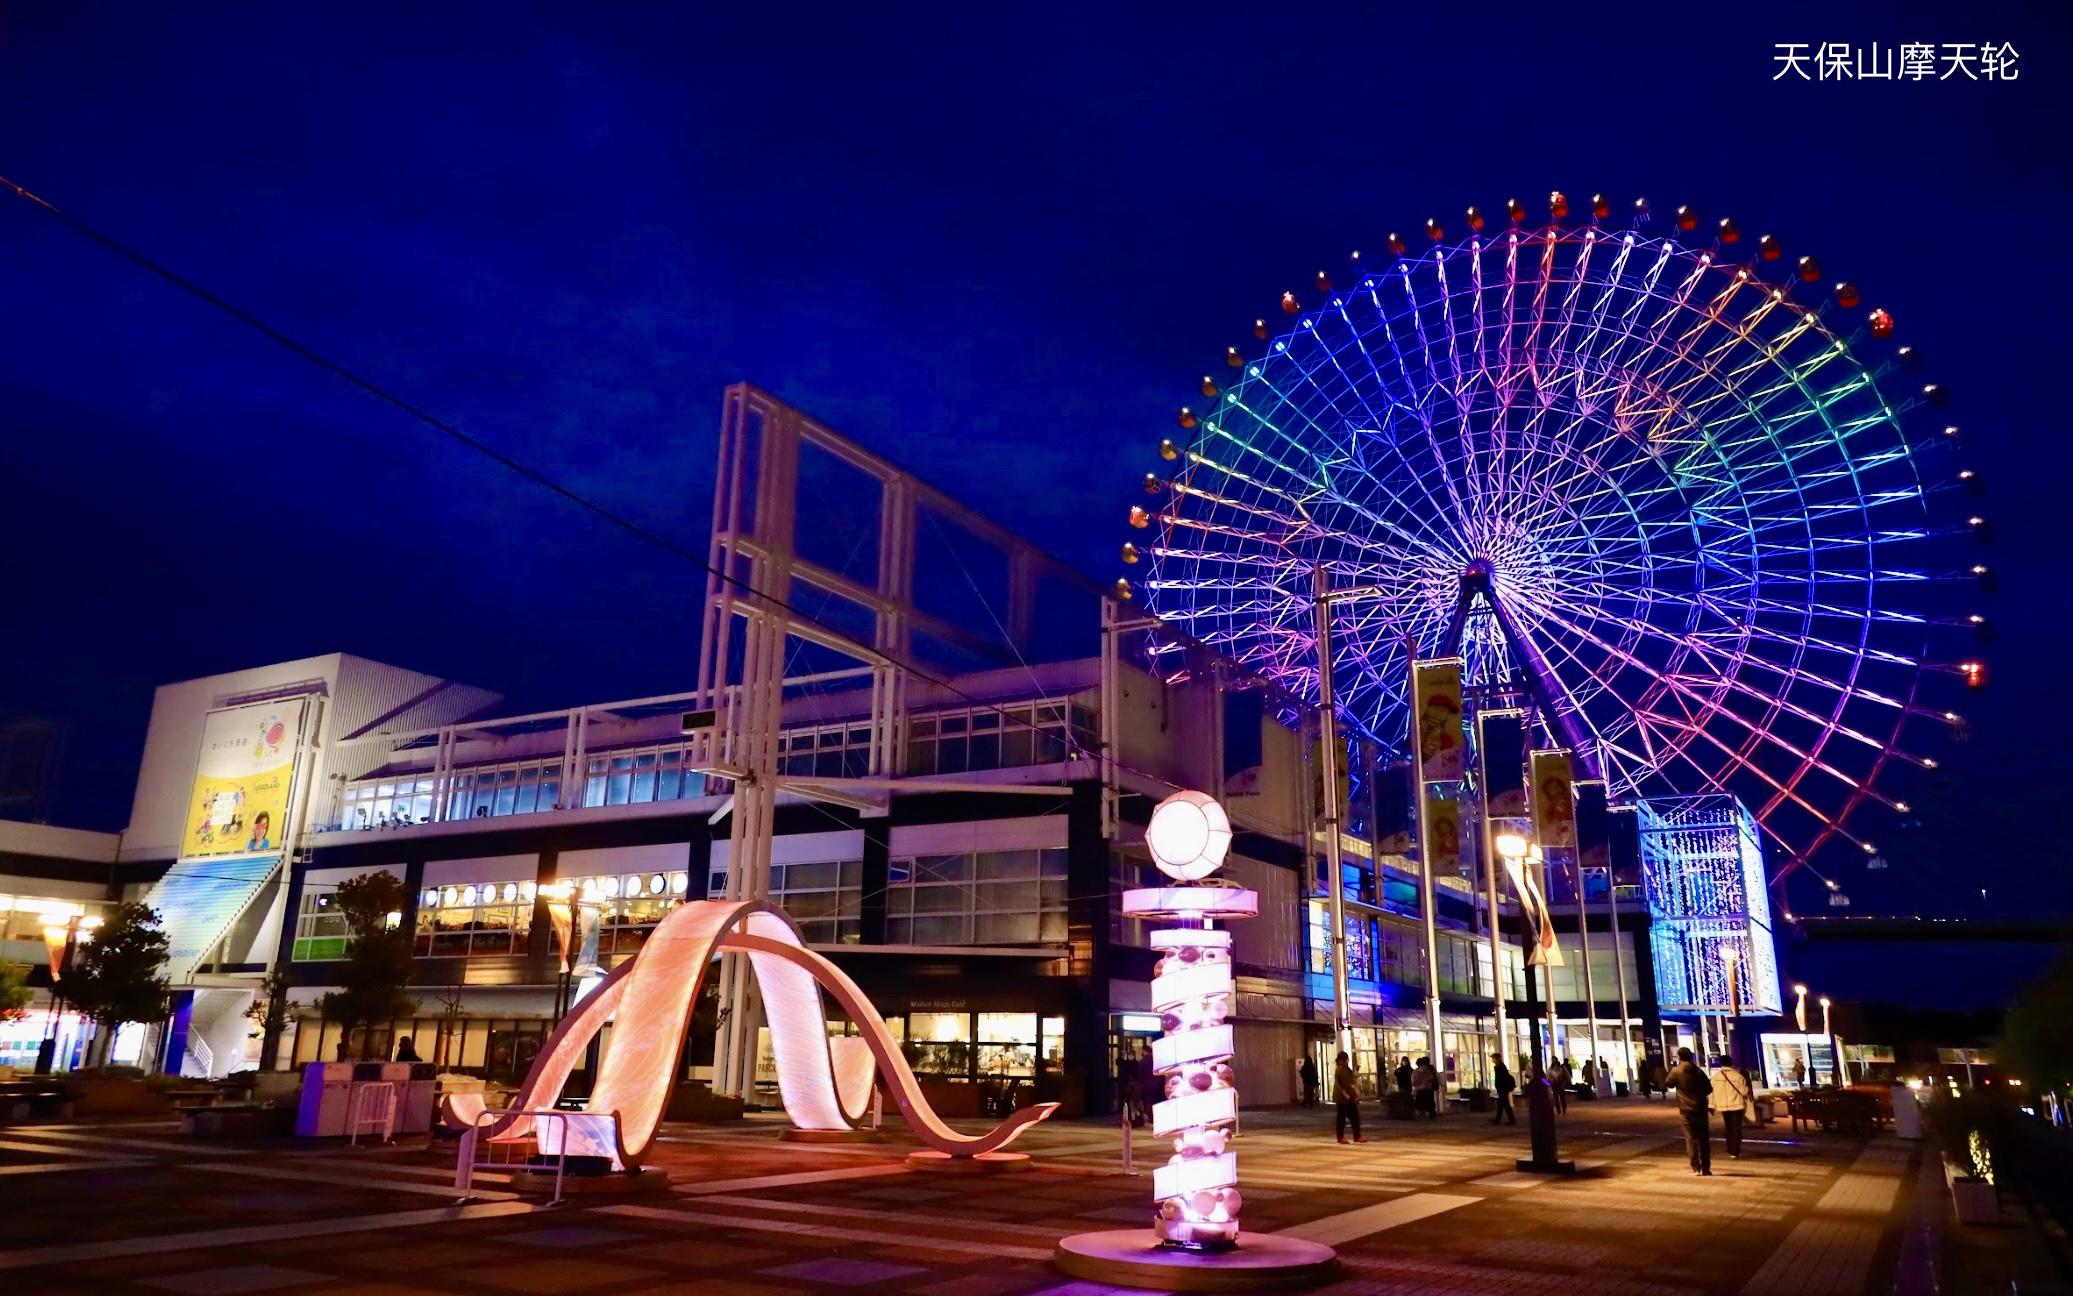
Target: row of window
point(983, 898)
point(946, 743)
point(610, 779)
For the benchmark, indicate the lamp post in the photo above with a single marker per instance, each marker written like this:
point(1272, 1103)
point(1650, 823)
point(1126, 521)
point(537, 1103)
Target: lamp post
point(1799, 1016)
point(566, 933)
point(1733, 957)
point(1513, 848)
point(61, 941)
point(1538, 862)
point(1540, 1098)
point(1828, 1028)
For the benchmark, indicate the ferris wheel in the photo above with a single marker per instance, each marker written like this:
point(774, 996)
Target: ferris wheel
point(1694, 497)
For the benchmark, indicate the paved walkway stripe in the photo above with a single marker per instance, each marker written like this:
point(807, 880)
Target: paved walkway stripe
point(347, 1178)
point(65, 1137)
point(795, 1228)
point(1335, 1230)
point(787, 1180)
point(32, 1256)
point(53, 1167)
point(889, 1216)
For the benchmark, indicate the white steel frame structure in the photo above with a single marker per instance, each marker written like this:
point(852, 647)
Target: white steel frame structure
point(750, 620)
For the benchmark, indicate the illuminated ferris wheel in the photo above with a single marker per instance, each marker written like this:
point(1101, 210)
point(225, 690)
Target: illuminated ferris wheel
point(1692, 497)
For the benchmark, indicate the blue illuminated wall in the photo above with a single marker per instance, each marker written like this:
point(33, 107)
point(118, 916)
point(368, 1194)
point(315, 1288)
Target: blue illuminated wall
point(1708, 905)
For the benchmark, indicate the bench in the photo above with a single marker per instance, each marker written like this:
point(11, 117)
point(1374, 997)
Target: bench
point(1832, 1109)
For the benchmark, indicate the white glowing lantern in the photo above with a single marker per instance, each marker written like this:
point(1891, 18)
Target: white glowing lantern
point(1197, 1188)
point(1188, 836)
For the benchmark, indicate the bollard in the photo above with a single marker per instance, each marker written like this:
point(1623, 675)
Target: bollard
point(1127, 1169)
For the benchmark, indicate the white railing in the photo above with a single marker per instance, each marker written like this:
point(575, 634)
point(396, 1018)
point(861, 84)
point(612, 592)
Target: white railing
point(199, 1053)
point(466, 1164)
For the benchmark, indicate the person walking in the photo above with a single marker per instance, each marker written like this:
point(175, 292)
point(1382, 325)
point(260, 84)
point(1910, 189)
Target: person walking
point(1688, 1081)
point(1425, 1088)
point(1590, 1076)
point(1735, 1099)
point(1403, 1076)
point(1307, 1073)
point(1346, 1097)
point(1501, 1079)
point(1558, 1083)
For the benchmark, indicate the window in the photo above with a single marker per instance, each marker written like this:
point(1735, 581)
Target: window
point(991, 898)
point(1127, 874)
point(825, 900)
point(474, 921)
point(940, 1043)
point(320, 930)
point(526, 787)
point(1007, 1044)
point(1003, 737)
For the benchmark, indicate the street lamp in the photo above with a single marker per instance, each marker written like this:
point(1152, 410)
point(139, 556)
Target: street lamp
point(1828, 1029)
point(61, 941)
point(1799, 1015)
point(1733, 956)
point(1514, 849)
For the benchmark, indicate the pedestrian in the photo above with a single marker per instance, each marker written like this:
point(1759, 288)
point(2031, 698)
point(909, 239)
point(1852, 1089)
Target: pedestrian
point(1425, 1088)
point(1591, 1076)
point(1735, 1099)
point(406, 1051)
point(1149, 1087)
point(1558, 1083)
point(1688, 1080)
point(1127, 1097)
point(1403, 1076)
point(1502, 1079)
point(1307, 1073)
point(1799, 1072)
point(1346, 1097)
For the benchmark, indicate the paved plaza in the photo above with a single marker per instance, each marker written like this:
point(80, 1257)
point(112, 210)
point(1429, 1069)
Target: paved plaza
point(1421, 1207)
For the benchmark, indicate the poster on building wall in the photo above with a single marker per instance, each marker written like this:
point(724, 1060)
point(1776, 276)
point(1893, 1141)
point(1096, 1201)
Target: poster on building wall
point(243, 779)
point(1554, 800)
point(1436, 689)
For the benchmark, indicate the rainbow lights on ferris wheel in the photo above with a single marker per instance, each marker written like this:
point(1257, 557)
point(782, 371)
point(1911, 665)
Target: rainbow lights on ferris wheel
point(1688, 473)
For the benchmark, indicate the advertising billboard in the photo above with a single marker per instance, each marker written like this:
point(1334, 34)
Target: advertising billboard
point(239, 802)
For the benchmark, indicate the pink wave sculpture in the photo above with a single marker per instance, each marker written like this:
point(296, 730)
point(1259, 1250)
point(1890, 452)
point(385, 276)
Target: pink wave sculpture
point(825, 1083)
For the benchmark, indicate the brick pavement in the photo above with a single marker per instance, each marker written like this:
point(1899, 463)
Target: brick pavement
point(1421, 1208)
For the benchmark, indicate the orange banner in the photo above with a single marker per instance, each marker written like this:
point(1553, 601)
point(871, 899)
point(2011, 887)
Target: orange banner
point(1554, 800)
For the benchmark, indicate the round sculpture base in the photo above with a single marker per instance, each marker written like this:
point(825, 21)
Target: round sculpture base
point(617, 1184)
point(983, 1164)
point(796, 1135)
point(1134, 1258)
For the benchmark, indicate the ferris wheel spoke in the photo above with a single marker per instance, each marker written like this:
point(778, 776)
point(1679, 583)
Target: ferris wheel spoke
point(1724, 678)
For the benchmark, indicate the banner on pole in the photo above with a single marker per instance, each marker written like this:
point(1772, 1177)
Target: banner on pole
point(1554, 800)
point(1436, 724)
point(1443, 832)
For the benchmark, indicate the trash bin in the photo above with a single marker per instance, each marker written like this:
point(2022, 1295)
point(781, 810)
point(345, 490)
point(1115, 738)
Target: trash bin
point(417, 1097)
point(326, 1094)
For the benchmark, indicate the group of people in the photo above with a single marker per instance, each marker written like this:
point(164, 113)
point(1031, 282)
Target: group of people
point(1420, 1083)
point(1727, 1089)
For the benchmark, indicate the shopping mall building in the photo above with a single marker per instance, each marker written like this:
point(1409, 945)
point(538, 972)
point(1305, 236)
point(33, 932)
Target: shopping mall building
point(959, 850)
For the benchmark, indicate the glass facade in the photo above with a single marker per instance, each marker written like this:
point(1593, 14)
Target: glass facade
point(987, 898)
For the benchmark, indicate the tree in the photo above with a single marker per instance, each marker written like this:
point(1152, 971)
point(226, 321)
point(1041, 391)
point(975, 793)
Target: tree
point(269, 1012)
point(14, 992)
point(117, 977)
point(2034, 1043)
point(377, 962)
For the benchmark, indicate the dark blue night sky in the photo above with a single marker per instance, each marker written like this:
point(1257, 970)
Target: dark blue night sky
point(998, 246)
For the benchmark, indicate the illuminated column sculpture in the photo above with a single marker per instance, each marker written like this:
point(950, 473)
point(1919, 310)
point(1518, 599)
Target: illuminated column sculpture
point(1197, 1188)
point(1195, 1226)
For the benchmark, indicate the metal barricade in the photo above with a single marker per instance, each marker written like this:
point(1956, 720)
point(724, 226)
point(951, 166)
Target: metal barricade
point(466, 1163)
point(373, 1107)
